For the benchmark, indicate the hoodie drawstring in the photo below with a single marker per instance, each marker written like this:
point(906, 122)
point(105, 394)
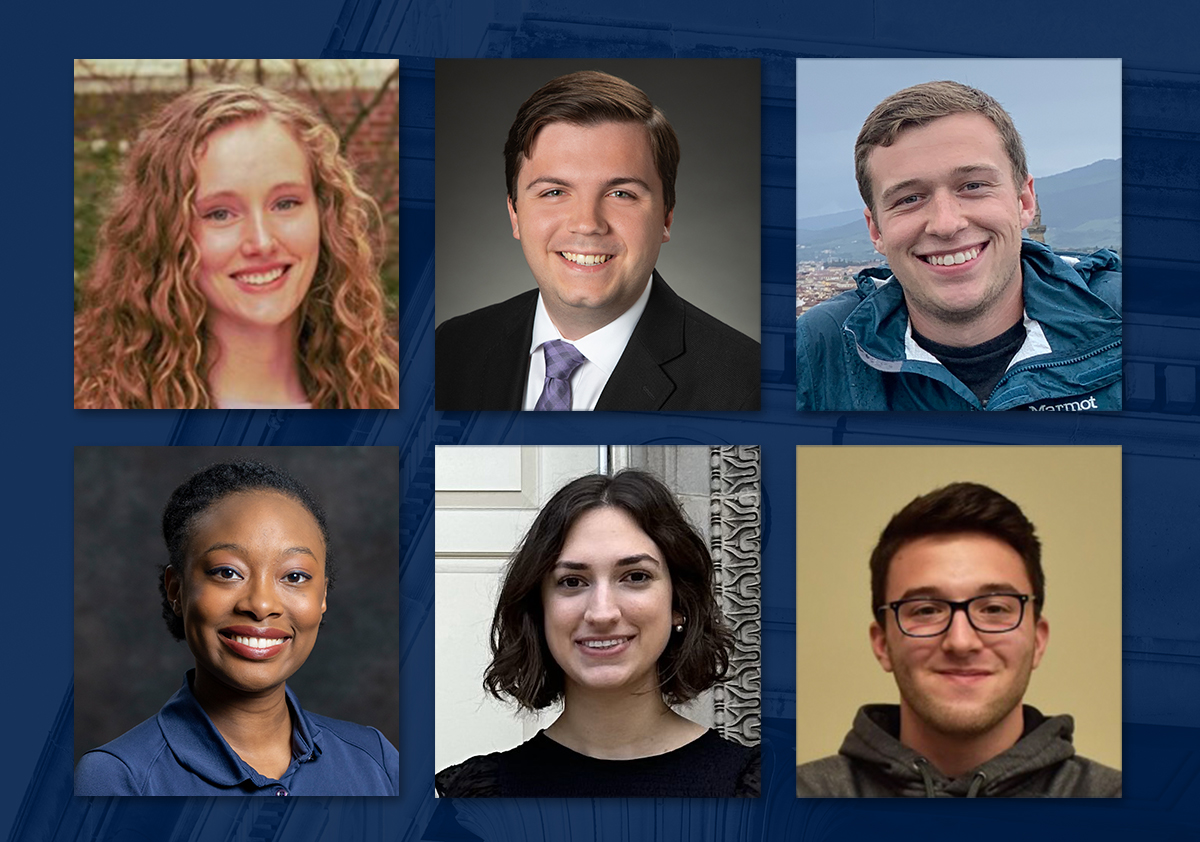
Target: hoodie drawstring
point(977, 782)
point(921, 765)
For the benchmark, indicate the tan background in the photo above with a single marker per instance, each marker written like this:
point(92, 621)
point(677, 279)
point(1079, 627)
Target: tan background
point(844, 498)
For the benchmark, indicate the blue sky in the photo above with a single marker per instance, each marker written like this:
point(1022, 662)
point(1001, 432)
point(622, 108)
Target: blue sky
point(1068, 112)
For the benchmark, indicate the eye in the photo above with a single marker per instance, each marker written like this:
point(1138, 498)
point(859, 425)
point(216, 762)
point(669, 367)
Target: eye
point(287, 204)
point(909, 200)
point(974, 185)
point(571, 582)
point(296, 577)
point(622, 194)
point(554, 193)
point(226, 574)
point(218, 215)
point(639, 577)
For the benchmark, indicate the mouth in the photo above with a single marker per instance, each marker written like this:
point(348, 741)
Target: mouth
point(603, 646)
point(964, 676)
point(954, 258)
point(262, 278)
point(253, 643)
point(585, 259)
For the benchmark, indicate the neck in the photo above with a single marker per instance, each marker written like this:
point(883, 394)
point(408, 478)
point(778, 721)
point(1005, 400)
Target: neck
point(255, 366)
point(620, 726)
point(955, 754)
point(999, 317)
point(249, 722)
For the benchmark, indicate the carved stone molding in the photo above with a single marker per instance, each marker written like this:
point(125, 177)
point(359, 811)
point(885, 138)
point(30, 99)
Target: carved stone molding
point(735, 538)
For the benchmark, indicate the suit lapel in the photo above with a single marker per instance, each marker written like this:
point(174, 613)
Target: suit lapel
point(639, 382)
point(503, 365)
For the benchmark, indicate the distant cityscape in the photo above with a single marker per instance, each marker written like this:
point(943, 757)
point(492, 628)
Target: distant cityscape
point(817, 280)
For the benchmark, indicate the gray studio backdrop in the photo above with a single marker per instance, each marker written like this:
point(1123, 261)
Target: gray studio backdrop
point(712, 259)
point(127, 664)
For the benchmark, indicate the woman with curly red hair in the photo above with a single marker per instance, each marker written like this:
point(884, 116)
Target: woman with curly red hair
point(236, 268)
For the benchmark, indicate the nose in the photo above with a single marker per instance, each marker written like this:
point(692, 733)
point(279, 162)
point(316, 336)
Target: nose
point(602, 609)
point(961, 637)
point(945, 216)
point(259, 599)
point(258, 238)
point(587, 217)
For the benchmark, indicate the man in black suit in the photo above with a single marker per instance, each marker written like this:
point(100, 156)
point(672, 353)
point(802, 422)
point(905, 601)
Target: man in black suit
point(590, 166)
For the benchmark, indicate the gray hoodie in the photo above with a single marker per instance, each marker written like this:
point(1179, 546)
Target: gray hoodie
point(873, 763)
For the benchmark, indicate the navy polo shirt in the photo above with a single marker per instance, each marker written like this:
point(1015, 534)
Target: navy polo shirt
point(180, 752)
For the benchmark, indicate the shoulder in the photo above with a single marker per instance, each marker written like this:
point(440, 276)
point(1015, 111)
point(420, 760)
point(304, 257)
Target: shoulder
point(123, 766)
point(476, 777)
point(829, 777)
point(490, 319)
point(1080, 777)
point(361, 747)
point(823, 363)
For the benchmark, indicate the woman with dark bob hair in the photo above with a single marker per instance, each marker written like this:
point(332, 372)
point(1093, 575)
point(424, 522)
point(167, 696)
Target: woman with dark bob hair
point(248, 569)
point(608, 606)
point(236, 267)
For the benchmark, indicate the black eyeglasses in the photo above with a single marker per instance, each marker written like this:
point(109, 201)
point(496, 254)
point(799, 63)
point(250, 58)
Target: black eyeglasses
point(992, 613)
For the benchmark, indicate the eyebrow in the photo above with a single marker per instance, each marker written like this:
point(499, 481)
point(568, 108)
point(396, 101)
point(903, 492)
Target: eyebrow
point(935, 592)
point(238, 548)
point(608, 185)
point(283, 185)
point(909, 183)
point(627, 561)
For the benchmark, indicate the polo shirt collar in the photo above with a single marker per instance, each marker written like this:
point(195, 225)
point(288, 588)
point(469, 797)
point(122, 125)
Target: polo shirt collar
point(199, 746)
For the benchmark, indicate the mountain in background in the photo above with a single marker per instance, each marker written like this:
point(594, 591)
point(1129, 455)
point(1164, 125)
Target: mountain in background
point(1081, 209)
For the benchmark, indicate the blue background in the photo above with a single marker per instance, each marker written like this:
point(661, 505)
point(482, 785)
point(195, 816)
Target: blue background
point(1159, 432)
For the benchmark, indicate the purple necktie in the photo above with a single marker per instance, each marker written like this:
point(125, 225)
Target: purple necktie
point(562, 358)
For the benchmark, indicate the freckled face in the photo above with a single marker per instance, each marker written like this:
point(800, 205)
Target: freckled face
point(607, 606)
point(948, 216)
point(962, 682)
point(591, 219)
point(256, 225)
point(253, 590)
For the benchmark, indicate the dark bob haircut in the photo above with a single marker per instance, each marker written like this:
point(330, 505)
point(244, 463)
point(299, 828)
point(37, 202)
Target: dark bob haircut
point(522, 667)
point(957, 508)
point(589, 98)
point(210, 486)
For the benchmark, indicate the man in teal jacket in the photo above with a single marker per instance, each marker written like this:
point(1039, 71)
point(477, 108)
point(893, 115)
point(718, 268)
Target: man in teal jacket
point(967, 315)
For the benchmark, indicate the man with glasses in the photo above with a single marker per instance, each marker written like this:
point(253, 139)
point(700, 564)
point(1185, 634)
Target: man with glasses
point(957, 592)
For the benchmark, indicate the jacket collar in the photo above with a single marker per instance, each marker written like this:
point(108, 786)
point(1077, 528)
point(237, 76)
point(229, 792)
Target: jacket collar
point(1062, 314)
point(199, 746)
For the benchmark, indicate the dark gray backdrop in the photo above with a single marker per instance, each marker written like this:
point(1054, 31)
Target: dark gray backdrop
point(127, 664)
point(712, 259)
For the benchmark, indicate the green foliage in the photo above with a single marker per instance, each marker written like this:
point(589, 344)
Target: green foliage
point(97, 171)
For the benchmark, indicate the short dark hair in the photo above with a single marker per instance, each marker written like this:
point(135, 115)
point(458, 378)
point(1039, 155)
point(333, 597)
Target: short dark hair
point(211, 485)
point(522, 667)
point(589, 98)
point(919, 106)
point(957, 508)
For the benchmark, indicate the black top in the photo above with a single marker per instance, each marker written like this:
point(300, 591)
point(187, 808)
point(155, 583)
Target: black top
point(707, 767)
point(981, 366)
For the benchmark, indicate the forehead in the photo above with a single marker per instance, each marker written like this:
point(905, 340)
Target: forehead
point(602, 151)
point(257, 519)
point(260, 146)
point(957, 566)
point(936, 148)
point(606, 534)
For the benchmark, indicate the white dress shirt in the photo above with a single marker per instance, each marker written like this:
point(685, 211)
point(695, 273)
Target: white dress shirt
point(603, 348)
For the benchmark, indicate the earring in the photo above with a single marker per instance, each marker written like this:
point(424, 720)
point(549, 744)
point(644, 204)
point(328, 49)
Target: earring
point(679, 627)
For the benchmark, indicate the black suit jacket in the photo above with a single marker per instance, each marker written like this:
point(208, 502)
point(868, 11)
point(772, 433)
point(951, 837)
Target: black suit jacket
point(678, 358)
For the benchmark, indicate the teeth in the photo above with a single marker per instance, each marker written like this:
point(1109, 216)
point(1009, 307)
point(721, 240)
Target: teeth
point(603, 644)
point(258, 279)
point(586, 259)
point(259, 642)
point(953, 259)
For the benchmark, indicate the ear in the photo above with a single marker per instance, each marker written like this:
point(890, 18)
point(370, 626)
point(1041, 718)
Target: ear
point(1028, 202)
point(677, 618)
point(512, 217)
point(324, 593)
point(879, 646)
point(173, 586)
point(873, 231)
point(1041, 637)
point(667, 225)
